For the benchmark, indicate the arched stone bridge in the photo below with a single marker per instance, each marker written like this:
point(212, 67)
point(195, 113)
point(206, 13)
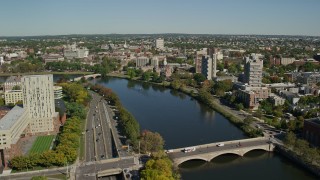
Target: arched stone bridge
point(87, 77)
point(207, 152)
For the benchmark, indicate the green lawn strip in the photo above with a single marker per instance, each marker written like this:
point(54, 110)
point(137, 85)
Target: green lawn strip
point(42, 144)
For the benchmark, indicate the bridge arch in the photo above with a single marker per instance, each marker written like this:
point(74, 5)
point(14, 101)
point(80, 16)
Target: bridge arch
point(190, 159)
point(255, 149)
point(225, 153)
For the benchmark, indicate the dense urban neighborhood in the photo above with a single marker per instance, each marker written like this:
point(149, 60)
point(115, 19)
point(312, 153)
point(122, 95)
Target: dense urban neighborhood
point(266, 85)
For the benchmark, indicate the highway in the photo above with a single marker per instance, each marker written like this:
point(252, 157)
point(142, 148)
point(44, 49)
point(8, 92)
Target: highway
point(89, 170)
point(90, 145)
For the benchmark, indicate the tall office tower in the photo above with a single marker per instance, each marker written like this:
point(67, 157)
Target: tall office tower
point(160, 43)
point(38, 99)
point(253, 71)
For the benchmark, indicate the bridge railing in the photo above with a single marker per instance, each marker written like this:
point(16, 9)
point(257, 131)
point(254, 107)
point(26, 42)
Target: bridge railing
point(216, 143)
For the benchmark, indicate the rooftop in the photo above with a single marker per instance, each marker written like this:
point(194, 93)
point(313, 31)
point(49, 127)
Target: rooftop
point(11, 117)
point(314, 120)
point(3, 111)
point(13, 79)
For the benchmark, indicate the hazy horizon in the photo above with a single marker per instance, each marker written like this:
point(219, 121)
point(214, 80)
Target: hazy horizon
point(214, 17)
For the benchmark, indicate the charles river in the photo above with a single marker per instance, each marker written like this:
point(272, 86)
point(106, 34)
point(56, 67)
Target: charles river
point(182, 122)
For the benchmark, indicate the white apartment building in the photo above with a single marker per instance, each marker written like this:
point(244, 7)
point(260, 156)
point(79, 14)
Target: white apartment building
point(71, 51)
point(142, 61)
point(39, 101)
point(160, 43)
point(253, 71)
point(13, 96)
point(154, 62)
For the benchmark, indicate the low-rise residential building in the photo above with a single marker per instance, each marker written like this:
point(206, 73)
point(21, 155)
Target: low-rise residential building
point(311, 131)
point(309, 78)
point(293, 98)
point(57, 91)
point(276, 100)
point(72, 51)
point(13, 96)
point(222, 78)
point(11, 82)
point(251, 96)
point(52, 58)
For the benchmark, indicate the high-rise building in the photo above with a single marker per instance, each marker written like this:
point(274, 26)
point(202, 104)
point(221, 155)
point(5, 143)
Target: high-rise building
point(142, 61)
point(198, 58)
point(206, 67)
point(253, 71)
point(38, 99)
point(154, 62)
point(209, 66)
point(160, 43)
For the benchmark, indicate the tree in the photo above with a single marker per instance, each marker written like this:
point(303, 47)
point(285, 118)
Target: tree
point(39, 178)
point(19, 162)
point(131, 73)
point(239, 106)
point(290, 139)
point(199, 77)
point(2, 101)
point(146, 75)
point(248, 120)
point(160, 169)
point(266, 106)
point(176, 84)
point(301, 146)
point(151, 142)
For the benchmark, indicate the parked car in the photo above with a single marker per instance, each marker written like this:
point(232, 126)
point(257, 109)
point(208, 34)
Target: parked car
point(220, 145)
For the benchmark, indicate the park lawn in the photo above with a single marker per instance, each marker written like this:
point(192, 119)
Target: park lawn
point(42, 144)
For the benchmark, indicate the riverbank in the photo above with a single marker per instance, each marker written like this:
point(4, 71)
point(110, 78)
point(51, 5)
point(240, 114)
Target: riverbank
point(40, 73)
point(209, 100)
point(296, 159)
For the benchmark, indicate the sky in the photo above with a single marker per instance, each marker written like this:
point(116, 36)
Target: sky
point(60, 17)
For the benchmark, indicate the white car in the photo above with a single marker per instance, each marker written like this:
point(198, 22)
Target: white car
point(220, 145)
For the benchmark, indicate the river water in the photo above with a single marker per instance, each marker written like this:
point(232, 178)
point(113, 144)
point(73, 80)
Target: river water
point(182, 121)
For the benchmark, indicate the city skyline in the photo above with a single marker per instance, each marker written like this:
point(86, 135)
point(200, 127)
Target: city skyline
point(295, 17)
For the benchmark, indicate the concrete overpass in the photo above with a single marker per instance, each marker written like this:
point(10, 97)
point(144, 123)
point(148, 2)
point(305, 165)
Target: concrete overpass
point(87, 77)
point(207, 152)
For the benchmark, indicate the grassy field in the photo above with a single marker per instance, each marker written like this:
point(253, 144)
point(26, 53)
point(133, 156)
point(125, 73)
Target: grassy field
point(42, 144)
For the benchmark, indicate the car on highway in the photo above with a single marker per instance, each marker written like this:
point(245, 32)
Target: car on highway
point(220, 145)
point(189, 149)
